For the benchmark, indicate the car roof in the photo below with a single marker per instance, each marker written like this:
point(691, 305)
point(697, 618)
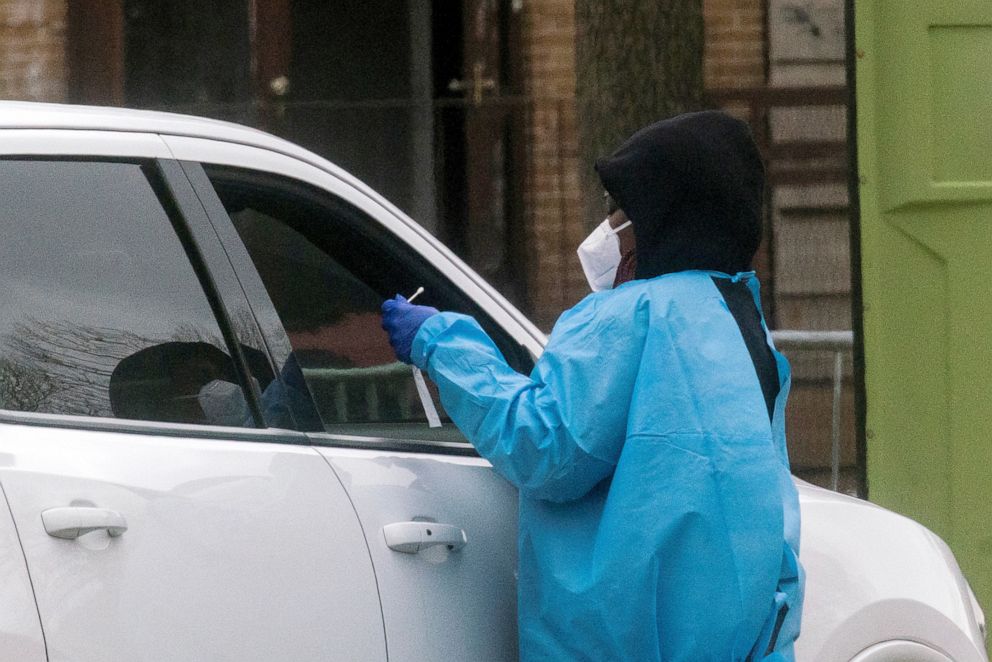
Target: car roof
point(38, 115)
point(32, 115)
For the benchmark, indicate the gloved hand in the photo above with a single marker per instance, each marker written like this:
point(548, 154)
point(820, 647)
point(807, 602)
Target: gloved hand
point(401, 320)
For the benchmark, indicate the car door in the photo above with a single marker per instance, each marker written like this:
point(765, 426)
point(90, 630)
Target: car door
point(317, 259)
point(159, 518)
point(20, 627)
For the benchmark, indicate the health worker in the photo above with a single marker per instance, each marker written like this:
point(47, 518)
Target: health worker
point(658, 518)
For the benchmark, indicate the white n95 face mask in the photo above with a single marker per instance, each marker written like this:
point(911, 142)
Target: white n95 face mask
point(599, 254)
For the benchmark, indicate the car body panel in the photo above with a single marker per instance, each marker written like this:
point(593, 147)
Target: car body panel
point(901, 651)
point(424, 593)
point(225, 557)
point(20, 626)
point(873, 575)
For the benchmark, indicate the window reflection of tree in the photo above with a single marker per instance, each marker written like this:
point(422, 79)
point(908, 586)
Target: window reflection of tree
point(24, 388)
point(61, 367)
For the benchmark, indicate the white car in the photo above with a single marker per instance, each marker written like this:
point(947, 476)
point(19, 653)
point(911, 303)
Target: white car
point(208, 453)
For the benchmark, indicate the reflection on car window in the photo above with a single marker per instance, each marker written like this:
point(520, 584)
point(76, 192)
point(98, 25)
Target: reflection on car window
point(333, 323)
point(327, 268)
point(101, 313)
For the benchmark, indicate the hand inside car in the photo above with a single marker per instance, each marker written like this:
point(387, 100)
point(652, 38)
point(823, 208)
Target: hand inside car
point(401, 320)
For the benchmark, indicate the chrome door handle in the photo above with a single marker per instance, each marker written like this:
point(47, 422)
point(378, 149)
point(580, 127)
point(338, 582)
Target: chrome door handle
point(413, 537)
point(71, 522)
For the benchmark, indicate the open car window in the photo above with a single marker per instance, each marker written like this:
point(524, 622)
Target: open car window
point(327, 267)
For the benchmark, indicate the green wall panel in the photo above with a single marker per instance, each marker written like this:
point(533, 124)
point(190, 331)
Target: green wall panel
point(924, 124)
point(960, 61)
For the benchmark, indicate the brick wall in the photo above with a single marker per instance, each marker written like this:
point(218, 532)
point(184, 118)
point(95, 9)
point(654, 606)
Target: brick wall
point(735, 43)
point(551, 196)
point(32, 50)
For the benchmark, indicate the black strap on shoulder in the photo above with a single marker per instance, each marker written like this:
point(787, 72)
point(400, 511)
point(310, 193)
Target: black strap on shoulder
point(773, 639)
point(779, 621)
point(740, 301)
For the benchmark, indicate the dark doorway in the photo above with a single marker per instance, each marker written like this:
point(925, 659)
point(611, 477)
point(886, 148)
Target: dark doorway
point(349, 94)
point(186, 52)
point(478, 67)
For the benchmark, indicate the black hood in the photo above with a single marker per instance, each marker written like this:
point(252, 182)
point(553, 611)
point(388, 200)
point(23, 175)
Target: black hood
point(693, 186)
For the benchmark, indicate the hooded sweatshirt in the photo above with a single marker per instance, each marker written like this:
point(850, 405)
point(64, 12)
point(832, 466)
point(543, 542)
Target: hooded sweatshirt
point(693, 186)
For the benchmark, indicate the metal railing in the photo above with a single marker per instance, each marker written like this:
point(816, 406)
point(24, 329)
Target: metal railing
point(840, 343)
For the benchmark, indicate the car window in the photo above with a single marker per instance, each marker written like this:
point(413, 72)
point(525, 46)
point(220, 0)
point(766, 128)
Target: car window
point(327, 268)
point(101, 311)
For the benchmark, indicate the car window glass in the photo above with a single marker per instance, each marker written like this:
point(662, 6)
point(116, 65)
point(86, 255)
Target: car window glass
point(327, 268)
point(101, 312)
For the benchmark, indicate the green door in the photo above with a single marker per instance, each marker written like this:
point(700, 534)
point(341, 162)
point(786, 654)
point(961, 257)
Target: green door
point(924, 123)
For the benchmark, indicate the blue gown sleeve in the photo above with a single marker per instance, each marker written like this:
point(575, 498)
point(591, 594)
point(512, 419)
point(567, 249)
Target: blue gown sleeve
point(558, 432)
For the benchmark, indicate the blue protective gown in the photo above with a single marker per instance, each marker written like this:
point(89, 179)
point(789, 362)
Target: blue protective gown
point(658, 518)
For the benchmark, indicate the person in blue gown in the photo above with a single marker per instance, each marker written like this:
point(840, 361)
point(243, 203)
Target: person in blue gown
point(658, 517)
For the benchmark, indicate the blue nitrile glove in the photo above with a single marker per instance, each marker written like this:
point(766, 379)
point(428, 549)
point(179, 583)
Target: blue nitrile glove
point(401, 320)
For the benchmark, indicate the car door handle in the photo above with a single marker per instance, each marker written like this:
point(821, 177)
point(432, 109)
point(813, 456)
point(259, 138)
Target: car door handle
point(413, 537)
point(71, 522)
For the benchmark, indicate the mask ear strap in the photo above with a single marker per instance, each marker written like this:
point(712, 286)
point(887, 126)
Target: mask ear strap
point(616, 230)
